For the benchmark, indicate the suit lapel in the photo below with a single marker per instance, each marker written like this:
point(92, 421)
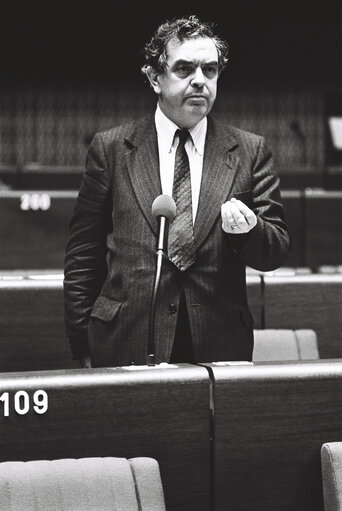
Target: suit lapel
point(143, 166)
point(220, 167)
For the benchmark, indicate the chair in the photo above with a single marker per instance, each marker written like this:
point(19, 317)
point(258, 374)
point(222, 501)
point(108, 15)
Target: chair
point(282, 344)
point(86, 484)
point(331, 458)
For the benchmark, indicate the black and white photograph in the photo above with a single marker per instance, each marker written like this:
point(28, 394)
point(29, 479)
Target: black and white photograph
point(171, 256)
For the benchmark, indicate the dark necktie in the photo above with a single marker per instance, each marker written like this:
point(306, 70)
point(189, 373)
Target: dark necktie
point(181, 234)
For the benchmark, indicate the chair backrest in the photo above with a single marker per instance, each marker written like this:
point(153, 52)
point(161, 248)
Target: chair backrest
point(90, 484)
point(331, 458)
point(282, 344)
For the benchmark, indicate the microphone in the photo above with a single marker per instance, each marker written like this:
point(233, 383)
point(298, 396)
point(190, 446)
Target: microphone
point(164, 211)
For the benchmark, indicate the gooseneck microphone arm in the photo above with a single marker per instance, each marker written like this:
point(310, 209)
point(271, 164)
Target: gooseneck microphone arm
point(163, 227)
point(164, 210)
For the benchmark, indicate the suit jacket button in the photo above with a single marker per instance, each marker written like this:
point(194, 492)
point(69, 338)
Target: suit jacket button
point(173, 308)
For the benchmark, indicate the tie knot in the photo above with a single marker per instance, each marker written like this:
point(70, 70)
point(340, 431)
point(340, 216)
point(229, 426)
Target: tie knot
point(183, 136)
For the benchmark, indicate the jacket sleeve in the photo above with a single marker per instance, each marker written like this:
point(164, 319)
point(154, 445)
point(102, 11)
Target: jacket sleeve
point(267, 245)
point(85, 267)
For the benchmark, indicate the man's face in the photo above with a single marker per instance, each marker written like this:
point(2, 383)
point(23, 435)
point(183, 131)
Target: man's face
point(187, 87)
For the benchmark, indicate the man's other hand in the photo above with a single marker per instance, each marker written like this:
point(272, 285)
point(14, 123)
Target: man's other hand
point(237, 218)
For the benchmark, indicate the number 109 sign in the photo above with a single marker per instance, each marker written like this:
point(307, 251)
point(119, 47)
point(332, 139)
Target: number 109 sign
point(21, 402)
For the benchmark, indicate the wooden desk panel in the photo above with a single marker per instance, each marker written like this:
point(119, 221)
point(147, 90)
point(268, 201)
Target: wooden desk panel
point(324, 227)
point(307, 301)
point(32, 326)
point(34, 238)
point(270, 423)
point(162, 413)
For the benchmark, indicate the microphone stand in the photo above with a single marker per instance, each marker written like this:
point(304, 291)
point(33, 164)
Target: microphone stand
point(161, 243)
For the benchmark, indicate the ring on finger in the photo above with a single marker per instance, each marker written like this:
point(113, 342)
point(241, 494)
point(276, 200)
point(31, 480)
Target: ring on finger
point(234, 226)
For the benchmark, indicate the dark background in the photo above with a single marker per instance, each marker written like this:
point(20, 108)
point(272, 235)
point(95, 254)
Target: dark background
point(278, 43)
point(68, 70)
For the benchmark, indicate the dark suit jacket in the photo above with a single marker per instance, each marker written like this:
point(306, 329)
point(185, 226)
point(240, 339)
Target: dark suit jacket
point(110, 256)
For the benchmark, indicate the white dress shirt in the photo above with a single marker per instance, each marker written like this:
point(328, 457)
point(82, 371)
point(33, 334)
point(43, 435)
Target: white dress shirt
point(167, 147)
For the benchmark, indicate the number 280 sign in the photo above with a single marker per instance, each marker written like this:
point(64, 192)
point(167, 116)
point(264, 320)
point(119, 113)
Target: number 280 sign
point(35, 201)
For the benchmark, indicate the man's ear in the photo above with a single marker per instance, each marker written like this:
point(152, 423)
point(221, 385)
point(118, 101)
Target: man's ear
point(153, 77)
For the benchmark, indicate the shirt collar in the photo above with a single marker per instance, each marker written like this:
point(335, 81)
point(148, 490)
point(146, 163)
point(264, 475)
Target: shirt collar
point(166, 131)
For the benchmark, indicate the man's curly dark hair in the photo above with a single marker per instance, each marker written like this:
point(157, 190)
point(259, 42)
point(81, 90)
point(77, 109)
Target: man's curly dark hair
point(189, 27)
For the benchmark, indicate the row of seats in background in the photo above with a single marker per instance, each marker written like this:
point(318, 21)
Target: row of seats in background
point(32, 322)
point(34, 227)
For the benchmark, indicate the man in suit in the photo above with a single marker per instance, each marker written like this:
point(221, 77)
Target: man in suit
point(229, 215)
